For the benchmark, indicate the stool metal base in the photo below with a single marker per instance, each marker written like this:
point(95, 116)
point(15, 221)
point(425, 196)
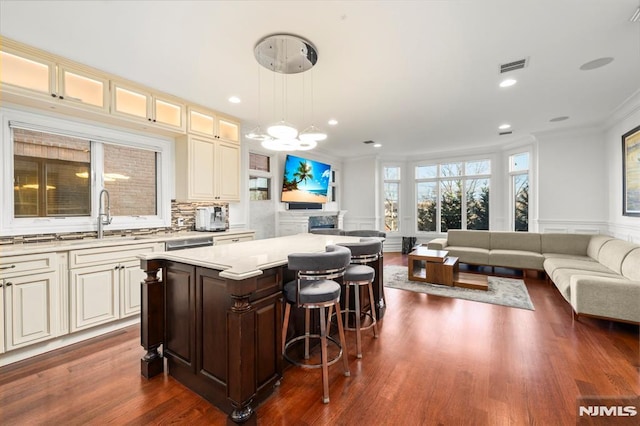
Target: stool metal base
point(313, 365)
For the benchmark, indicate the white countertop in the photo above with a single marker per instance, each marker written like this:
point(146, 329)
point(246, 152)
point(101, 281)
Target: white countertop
point(61, 245)
point(249, 258)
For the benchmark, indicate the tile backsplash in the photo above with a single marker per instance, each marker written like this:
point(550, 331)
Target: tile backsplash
point(182, 219)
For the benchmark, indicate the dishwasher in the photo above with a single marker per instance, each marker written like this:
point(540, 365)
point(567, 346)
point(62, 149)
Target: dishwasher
point(188, 243)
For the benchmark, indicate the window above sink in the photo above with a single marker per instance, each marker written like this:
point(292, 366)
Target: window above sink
point(54, 169)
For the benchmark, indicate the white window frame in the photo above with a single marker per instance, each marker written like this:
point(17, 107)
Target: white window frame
point(261, 174)
point(400, 189)
point(512, 189)
point(439, 179)
point(9, 225)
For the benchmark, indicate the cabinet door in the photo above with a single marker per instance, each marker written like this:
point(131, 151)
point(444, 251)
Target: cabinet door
point(168, 113)
point(84, 88)
point(2, 317)
point(130, 277)
point(22, 72)
point(228, 130)
point(94, 296)
point(131, 102)
point(201, 169)
point(30, 309)
point(227, 169)
point(201, 122)
point(180, 314)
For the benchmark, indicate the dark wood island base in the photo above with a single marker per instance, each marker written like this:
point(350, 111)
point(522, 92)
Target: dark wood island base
point(220, 324)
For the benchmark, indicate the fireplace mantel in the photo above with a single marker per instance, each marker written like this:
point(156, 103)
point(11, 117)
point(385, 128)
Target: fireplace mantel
point(291, 222)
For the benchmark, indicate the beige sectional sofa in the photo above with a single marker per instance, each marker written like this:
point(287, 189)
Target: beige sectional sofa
point(597, 274)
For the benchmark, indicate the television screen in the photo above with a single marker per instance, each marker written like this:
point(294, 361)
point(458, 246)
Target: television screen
point(305, 181)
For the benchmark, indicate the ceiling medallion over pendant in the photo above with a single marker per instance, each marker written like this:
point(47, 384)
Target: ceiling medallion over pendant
point(286, 54)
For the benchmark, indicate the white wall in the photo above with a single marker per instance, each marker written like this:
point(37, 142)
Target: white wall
point(360, 194)
point(572, 181)
point(624, 119)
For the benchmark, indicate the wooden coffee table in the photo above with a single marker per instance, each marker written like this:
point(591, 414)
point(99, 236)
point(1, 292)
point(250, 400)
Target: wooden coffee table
point(440, 268)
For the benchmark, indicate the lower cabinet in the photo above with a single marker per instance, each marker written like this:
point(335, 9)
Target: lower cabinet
point(202, 344)
point(30, 309)
point(31, 299)
point(108, 288)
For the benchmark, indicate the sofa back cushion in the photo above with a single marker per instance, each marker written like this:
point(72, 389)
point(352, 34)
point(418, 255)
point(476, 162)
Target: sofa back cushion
point(515, 241)
point(459, 238)
point(595, 244)
point(613, 252)
point(631, 265)
point(575, 244)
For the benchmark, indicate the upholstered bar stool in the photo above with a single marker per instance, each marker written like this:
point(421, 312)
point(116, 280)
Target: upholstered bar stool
point(314, 288)
point(359, 274)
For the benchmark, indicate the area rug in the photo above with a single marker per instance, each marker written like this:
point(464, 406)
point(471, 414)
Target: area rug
point(502, 291)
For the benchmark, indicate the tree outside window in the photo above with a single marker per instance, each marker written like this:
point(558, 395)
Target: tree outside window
point(456, 193)
point(391, 198)
point(519, 171)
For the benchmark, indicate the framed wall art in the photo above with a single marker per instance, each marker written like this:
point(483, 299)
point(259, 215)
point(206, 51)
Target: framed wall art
point(631, 173)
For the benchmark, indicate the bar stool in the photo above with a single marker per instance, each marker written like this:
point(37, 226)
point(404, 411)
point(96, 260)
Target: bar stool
point(360, 274)
point(314, 288)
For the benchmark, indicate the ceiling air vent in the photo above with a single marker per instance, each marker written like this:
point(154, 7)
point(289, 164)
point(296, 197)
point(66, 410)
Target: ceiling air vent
point(367, 142)
point(505, 133)
point(514, 65)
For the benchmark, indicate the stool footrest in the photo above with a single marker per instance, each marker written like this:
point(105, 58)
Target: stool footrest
point(346, 319)
point(310, 365)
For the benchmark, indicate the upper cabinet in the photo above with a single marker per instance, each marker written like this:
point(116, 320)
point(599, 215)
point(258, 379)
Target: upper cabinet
point(207, 123)
point(136, 103)
point(28, 75)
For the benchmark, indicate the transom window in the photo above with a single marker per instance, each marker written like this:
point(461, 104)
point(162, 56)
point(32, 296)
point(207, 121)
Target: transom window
point(453, 195)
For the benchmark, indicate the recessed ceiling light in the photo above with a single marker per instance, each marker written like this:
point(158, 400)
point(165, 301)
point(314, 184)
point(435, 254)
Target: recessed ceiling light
point(504, 126)
point(561, 118)
point(333, 122)
point(508, 82)
point(596, 63)
point(234, 100)
point(377, 145)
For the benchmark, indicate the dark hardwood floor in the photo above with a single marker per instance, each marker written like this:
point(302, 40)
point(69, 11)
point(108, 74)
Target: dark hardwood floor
point(437, 361)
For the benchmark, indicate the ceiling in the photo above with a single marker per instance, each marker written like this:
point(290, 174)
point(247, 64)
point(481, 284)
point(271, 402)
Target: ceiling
point(418, 77)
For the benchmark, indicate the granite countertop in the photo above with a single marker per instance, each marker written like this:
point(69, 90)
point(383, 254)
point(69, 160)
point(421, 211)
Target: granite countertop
point(59, 245)
point(249, 258)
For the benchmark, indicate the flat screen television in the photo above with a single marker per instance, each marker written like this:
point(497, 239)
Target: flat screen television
point(305, 181)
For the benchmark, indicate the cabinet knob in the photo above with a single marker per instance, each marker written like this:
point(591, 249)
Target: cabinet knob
point(8, 267)
point(9, 284)
point(61, 97)
point(149, 119)
point(116, 267)
point(53, 95)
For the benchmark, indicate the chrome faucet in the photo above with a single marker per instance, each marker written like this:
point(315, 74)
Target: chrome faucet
point(104, 218)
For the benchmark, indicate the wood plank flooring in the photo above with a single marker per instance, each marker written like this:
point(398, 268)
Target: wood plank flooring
point(437, 361)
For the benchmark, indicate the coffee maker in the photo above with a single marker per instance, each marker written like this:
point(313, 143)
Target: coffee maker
point(212, 219)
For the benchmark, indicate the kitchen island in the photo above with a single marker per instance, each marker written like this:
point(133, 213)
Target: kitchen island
point(217, 313)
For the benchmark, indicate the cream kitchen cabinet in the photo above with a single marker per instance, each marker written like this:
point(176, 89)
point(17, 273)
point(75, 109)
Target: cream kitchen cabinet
point(207, 169)
point(34, 77)
point(32, 297)
point(139, 104)
point(207, 123)
point(234, 238)
point(105, 283)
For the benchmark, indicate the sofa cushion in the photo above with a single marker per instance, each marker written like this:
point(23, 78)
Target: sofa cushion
point(562, 279)
point(459, 238)
point(567, 256)
point(472, 255)
point(518, 259)
point(631, 266)
point(524, 241)
point(616, 298)
point(613, 253)
point(571, 244)
point(595, 244)
point(584, 264)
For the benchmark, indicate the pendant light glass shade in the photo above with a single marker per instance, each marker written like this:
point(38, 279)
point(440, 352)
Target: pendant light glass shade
point(312, 133)
point(282, 130)
point(257, 134)
point(306, 145)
